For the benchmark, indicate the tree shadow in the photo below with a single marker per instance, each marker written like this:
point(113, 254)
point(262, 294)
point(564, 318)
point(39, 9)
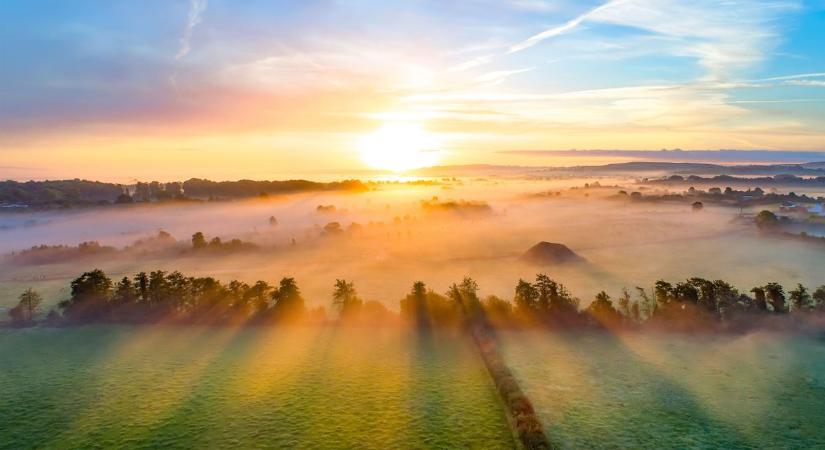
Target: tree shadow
point(670, 416)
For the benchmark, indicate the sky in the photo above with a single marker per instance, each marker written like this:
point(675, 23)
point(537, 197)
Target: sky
point(170, 89)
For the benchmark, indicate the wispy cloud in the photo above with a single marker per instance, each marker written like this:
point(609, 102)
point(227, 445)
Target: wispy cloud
point(196, 9)
point(473, 63)
point(497, 77)
point(568, 26)
point(795, 76)
point(812, 83)
point(723, 38)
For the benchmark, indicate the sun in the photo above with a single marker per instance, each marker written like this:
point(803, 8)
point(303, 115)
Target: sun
point(398, 147)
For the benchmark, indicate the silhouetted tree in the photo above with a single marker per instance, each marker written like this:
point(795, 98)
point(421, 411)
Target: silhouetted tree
point(174, 190)
point(526, 297)
point(142, 286)
point(775, 295)
point(27, 307)
point(497, 308)
point(287, 300)
point(124, 198)
point(647, 305)
point(90, 295)
point(760, 300)
point(345, 299)
point(624, 303)
point(819, 298)
point(142, 192)
point(198, 241)
point(601, 309)
point(799, 298)
point(259, 295)
point(767, 221)
point(125, 292)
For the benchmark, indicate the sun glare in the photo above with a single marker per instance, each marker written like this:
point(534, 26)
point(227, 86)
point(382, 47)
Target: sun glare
point(399, 147)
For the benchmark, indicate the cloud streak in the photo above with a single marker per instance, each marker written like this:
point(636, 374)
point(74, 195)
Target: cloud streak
point(196, 10)
point(567, 27)
point(722, 38)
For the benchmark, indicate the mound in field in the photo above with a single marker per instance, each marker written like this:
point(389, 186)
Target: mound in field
point(550, 253)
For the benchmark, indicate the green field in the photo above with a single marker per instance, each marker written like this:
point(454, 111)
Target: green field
point(327, 387)
point(167, 387)
point(668, 391)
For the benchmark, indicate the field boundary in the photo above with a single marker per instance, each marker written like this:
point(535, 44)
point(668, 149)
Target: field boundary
point(522, 420)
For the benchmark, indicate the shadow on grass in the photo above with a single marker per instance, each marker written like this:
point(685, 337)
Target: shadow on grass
point(680, 419)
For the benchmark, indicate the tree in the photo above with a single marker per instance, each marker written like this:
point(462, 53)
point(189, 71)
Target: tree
point(465, 296)
point(26, 308)
point(333, 228)
point(800, 298)
point(124, 198)
point(142, 286)
point(259, 295)
point(766, 221)
point(554, 297)
point(546, 289)
point(819, 298)
point(697, 206)
point(497, 307)
point(90, 295)
point(198, 241)
point(635, 312)
point(345, 299)
point(601, 308)
point(662, 292)
point(647, 305)
point(125, 292)
point(415, 306)
point(158, 292)
point(174, 190)
point(624, 303)
point(287, 299)
point(237, 294)
point(727, 297)
point(142, 192)
point(775, 295)
point(526, 298)
point(760, 301)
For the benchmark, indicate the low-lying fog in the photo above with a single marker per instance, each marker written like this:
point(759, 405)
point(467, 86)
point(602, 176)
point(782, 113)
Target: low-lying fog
point(625, 244)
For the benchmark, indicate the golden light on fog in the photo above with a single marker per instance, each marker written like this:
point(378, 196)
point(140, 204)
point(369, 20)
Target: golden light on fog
point(399, 147)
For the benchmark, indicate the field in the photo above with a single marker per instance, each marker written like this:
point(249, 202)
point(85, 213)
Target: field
point(176, 387)
point(667, 391)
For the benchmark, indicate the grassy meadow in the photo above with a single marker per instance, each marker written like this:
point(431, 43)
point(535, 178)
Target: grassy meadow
point(597, 390)
point(190, 387)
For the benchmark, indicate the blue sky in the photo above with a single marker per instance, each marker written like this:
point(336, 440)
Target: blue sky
point(287, 81)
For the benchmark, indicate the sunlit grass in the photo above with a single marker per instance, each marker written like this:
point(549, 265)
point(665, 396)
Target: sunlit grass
point(670, 391)
point(197, 387)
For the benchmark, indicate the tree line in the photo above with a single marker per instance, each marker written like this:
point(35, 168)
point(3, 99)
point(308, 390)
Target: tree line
point(74, 193)
point(154, 296)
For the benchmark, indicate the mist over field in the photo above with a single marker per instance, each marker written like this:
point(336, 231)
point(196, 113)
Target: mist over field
point(477, 224)
point(389, 237)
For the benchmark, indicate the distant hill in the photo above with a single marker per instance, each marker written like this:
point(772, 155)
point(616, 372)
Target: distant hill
point(721, 156)
point(808, 169)
point(638, 168)
point(550, 253)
